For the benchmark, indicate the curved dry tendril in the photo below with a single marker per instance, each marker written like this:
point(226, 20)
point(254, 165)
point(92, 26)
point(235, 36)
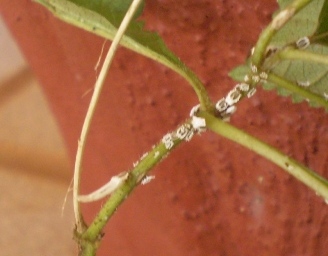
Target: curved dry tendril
point(86, 125)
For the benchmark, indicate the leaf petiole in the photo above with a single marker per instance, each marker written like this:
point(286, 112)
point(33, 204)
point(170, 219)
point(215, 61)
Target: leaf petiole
point(293, 88)
point(293, 54)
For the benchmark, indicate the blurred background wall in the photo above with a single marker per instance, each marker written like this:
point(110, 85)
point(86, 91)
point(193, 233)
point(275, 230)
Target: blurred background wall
point(34, 168)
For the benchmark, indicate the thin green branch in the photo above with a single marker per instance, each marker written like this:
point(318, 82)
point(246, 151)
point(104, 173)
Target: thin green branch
point(276, 24)
point(293, 54)
point(94, 100)
point(90, 239)
point(293, 88)
point(203, 97)
point(300, 172)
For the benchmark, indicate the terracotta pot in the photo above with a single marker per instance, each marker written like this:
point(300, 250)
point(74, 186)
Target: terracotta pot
point(210, 196)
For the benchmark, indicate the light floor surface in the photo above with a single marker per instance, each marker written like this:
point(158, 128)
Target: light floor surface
point(34, 167)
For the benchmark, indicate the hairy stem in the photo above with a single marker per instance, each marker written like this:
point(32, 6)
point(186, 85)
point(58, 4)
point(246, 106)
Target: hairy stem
point(87, 122)
point(276, 24)
point(300, 172)
point(293, 54)
point(293, 88)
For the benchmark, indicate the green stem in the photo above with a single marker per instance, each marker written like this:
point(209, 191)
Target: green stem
point(276, 24)
point(199, 88)
point(293, 54)
point(90, 239)
point(300, 172)
point(312, 97)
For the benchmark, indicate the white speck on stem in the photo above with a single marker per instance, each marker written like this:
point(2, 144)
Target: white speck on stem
point(233, 97)
point(325, 95)
point(254, 68)
point(144, 155)
point(252, 50)
point(242, 87)
point(168, 141)
point(303, 83)
point(198, 122)
point(303, 43)
point(156, 154)
point(264, 75)
point(194, 110)
point(246, 78)
point(282, 18)
point(251, 92)
point(221, 105)
point(189, 135)
point(183, 131)
point(231, 110)
point(147, 179)
point(256, 78)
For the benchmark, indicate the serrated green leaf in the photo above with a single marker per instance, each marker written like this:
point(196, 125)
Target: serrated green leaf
point(311, 76)
point(304, 23)
point(321, 34)
point(103, 18)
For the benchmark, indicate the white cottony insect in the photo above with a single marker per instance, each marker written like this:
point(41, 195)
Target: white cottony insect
point(325, 95)
point(190, 135)
point(246, 78)
point(114, 183)
point(168, 141)
point(251, 92)
point(254, 68)
point(230, 110)
point(221, 105)
point(304, 83)
point(198, 122)
point(194, 110)
point(143, 156)
point(264, 76)
point(303, 43)
point(233, 97)
point(147, 179)
point(183, 131)
point(156, 154)
point(256, 79)
point(242, 87)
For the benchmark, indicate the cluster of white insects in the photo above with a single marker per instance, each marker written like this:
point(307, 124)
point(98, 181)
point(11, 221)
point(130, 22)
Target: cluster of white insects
point(184, 132)
point(227, 105)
